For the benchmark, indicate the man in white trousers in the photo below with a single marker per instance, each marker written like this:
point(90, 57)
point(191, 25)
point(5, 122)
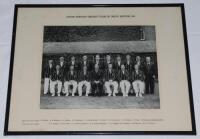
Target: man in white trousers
point(47, 74)
point(110, 81)
point(70, 80)
point(138, 81)
point(123, 78)
point(84, 80)
point(56, 79)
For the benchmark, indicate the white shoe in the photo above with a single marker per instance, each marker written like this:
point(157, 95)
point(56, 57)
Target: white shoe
point(140, 95)
point(67, 94)
point(52, 95)
point(80, 95)
point(114, 95)
point(86, 95)
point(72, 95)
point(109, 95)
point(58, 95)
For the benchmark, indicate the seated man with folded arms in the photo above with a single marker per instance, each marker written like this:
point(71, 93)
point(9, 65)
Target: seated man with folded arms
point(123, 78)
point(97, 83)
point(48, 70)
point(138, 81)
point(84, 80)
point(56, 79)
point(110, 81)
point(70, 80)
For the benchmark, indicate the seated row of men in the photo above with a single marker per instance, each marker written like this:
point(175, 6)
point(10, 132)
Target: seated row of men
point(94, 79)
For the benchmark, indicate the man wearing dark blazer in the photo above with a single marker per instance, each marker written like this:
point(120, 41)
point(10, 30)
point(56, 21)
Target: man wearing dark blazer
point(84, 80)
point(149, 71)
point(63, 68)
point(123, 78)
point(138, 81)
point(48, 71)
point(84, 63)
point(128, 64)
point(56, 79)
point(107, 62)
point(70, 79)
point(118, 63)
point(98, 62)
point(97, 81)
point(110, 78)
point(73, 63)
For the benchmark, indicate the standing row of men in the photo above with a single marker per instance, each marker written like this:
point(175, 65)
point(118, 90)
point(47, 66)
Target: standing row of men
point(94, 77)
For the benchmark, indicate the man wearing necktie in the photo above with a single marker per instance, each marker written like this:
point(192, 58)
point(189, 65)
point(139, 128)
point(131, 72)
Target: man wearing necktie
point(83, 63)
point(118, 64)
point(149, 71)
point(70, 80)
point(97, 82)
point(110, 81)
point(56, 79)
point(48, 71)
point(138, 81)
point(107, 62)
point(123, 78)
point(84, 80)
point(62, 68)
point(128, 64)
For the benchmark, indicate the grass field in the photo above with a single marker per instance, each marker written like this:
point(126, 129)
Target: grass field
point(148, 102)
point(103, 102)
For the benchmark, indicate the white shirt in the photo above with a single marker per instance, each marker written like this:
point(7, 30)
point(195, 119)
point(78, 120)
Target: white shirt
point(61, 64)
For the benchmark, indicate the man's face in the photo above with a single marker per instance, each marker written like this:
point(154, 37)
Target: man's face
point(148, 59)
point(128, 57)
point(84, 58)
point(118, 58)
point(62, 59)
point(50, 62)
point(57, 67)
point(73, 59)
point(108, 58)
point(138, 58)
point(97, 57)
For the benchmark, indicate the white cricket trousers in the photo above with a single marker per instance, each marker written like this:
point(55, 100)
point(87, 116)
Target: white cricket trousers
point(109, 84)
point(53, 85)
point(138, 87)
point(74, 87)
point(46, 85)
point(125, 87)
point(80, 87)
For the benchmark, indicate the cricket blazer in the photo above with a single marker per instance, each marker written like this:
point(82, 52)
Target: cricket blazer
point(84, 77)
point(137, 76)
point(70, 76)
point(48, 71)
point(110, 76)
point(57, 75)
point(97, 76)
point(123, 76)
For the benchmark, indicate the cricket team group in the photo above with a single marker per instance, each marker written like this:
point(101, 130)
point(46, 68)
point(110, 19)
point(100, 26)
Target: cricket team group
point(108, 77)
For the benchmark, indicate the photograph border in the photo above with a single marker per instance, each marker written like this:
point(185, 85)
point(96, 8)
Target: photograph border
point(178, 5)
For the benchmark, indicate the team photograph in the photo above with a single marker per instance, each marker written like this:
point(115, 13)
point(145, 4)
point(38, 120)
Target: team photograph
point(96, 67)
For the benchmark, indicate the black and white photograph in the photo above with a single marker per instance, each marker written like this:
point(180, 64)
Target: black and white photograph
point(99, 67)
point(113, 69)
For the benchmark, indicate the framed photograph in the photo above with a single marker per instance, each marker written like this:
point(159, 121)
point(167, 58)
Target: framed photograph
point(99, 69)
